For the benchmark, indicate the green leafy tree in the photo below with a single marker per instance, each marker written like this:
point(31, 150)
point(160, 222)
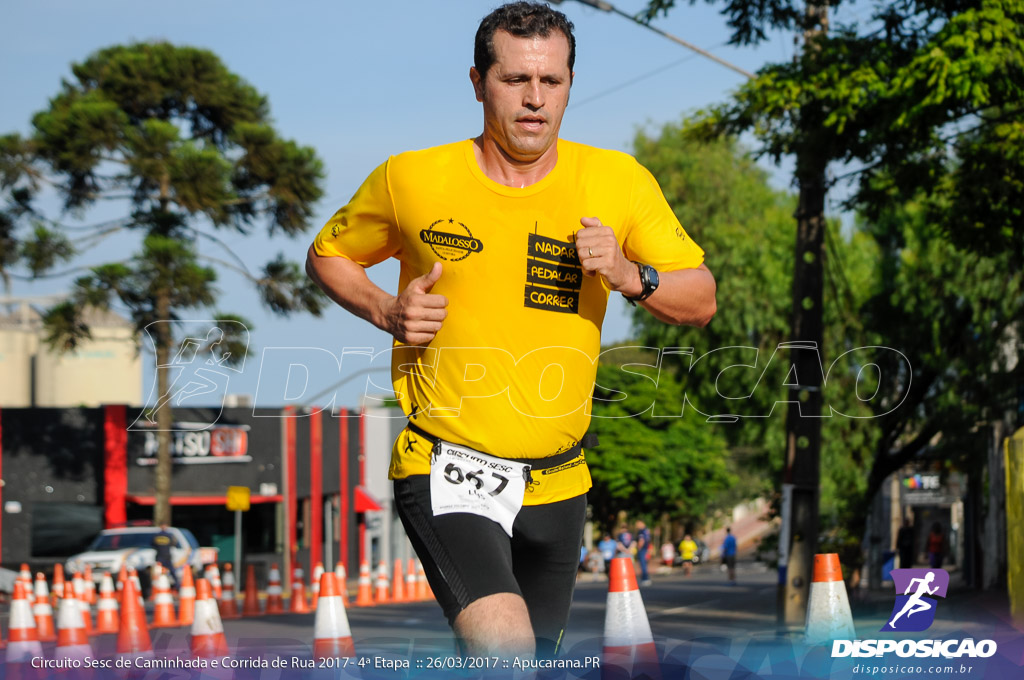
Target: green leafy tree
point(653, 466)
point(188, 149)
point(727, 205)
point(923, 98)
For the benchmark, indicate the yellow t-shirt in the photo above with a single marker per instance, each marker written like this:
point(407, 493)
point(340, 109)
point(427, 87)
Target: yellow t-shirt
point(511, 372)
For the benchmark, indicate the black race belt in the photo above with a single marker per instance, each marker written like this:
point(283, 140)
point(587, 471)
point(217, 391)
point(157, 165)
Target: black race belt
point(589, 441)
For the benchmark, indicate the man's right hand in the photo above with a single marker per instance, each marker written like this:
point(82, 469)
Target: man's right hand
point(414, 316)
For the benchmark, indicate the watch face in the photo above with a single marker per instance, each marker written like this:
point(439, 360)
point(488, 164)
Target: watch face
point(652, 276)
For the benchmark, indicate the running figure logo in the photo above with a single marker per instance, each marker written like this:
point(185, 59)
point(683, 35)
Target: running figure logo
point(914, 610)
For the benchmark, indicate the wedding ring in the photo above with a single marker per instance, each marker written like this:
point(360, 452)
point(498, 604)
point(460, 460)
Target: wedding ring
point(590, 250)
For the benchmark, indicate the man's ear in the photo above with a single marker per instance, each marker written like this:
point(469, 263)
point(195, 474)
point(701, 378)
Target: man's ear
point(478, 83)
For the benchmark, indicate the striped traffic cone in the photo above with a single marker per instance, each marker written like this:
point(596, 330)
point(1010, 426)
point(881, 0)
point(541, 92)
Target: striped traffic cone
point(828, 608)
point(122, 576)
point(133, 576)
point(132, 635)
point(58, 584)
point(422, 587)
point(227, 603)
point(23, 642)
point(163, 603)
point(25, 575)
point(364, 596)
point(410, 581)
point(628, 643)
point(251, 604)
point(298, 602)
point(78, 588)
point(42, 610)
point(208, 639)
point(314, 584)
point(381, 591)
point(72, 639)
point(90, 586)
point(398, 583)
point(107, 615)
point(275, 605)
point(186, 597)
point(342, 576)
point(332, 637)
point(212, 576)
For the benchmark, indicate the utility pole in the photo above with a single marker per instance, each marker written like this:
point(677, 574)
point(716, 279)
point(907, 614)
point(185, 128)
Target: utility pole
point(801, 477)
point(798, 539)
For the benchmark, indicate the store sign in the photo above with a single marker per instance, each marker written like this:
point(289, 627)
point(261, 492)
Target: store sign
point(190, 446)
point(925, 488)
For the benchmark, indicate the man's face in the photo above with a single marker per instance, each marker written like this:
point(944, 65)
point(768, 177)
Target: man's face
point(525, 92)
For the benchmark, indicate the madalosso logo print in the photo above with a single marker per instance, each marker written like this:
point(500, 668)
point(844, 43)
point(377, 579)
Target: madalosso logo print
point(914, 609)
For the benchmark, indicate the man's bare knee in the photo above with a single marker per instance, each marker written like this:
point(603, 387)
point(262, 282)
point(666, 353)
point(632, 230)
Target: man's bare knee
point(498, 624)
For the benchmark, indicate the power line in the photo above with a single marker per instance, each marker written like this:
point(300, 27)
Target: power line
point(608, 7)
point(633, 81)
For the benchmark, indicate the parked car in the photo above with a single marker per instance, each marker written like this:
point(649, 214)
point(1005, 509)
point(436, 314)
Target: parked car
point(133, 547)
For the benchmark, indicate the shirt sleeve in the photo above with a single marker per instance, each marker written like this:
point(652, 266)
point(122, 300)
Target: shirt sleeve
point(654, 235)
point(365, 230)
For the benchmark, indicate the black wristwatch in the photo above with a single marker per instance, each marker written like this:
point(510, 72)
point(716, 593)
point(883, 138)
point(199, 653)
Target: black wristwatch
point(648, 279)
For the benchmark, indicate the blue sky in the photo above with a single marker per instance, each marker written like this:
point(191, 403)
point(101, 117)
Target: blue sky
point(361, 81)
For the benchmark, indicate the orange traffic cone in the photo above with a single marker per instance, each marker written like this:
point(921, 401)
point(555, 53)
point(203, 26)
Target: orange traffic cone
point(628, 643)
point(364, 596)
point(422, 588)
point(410, 581)
point(332, 637)
point(58, 584)
point(122, 576)
point(208, 639)
point(381, 595)
point(78, 588)
point(25, 575)
point(42, 610)
point(314, 584)
point(107, 616)
point(298, 602)
point(186, 597)
point(251, 604)
point(23, 645)
point(72, 639)
point(90, 586)
point(828, 608)
point(133, 576)
point(163, 603)
point(133, 636)
point(228, 604)
point(398, 583)
point(212, 576)
point(274, 603)
point(339, 573)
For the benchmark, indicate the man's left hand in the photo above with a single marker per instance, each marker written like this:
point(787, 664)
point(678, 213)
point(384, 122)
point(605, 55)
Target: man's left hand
point(601, 254)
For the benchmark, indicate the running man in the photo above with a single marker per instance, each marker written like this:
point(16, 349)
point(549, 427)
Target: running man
point(915, 604)
point(510, 244)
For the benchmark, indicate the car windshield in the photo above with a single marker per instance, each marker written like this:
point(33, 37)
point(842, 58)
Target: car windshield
point(135, 539)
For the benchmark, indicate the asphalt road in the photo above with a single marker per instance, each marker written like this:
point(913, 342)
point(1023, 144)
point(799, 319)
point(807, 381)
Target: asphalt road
point(699, 616)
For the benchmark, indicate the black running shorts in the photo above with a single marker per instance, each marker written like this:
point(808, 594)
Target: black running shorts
point(467, 557)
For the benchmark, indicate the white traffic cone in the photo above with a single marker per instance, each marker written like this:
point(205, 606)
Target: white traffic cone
point(332, 637)
point(23, 643)
point(828, 608)
point(72, 638)
point(628, 642)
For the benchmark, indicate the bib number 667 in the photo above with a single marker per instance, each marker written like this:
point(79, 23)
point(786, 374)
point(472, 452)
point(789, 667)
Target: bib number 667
point(453, 474)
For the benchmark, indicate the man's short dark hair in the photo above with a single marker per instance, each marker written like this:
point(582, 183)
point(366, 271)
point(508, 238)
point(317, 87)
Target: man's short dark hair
point(523, 20)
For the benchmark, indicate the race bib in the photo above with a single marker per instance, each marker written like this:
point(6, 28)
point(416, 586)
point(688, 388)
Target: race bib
point(465, 480)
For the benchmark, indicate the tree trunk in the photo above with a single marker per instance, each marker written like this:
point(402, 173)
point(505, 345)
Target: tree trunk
point(164, 413)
